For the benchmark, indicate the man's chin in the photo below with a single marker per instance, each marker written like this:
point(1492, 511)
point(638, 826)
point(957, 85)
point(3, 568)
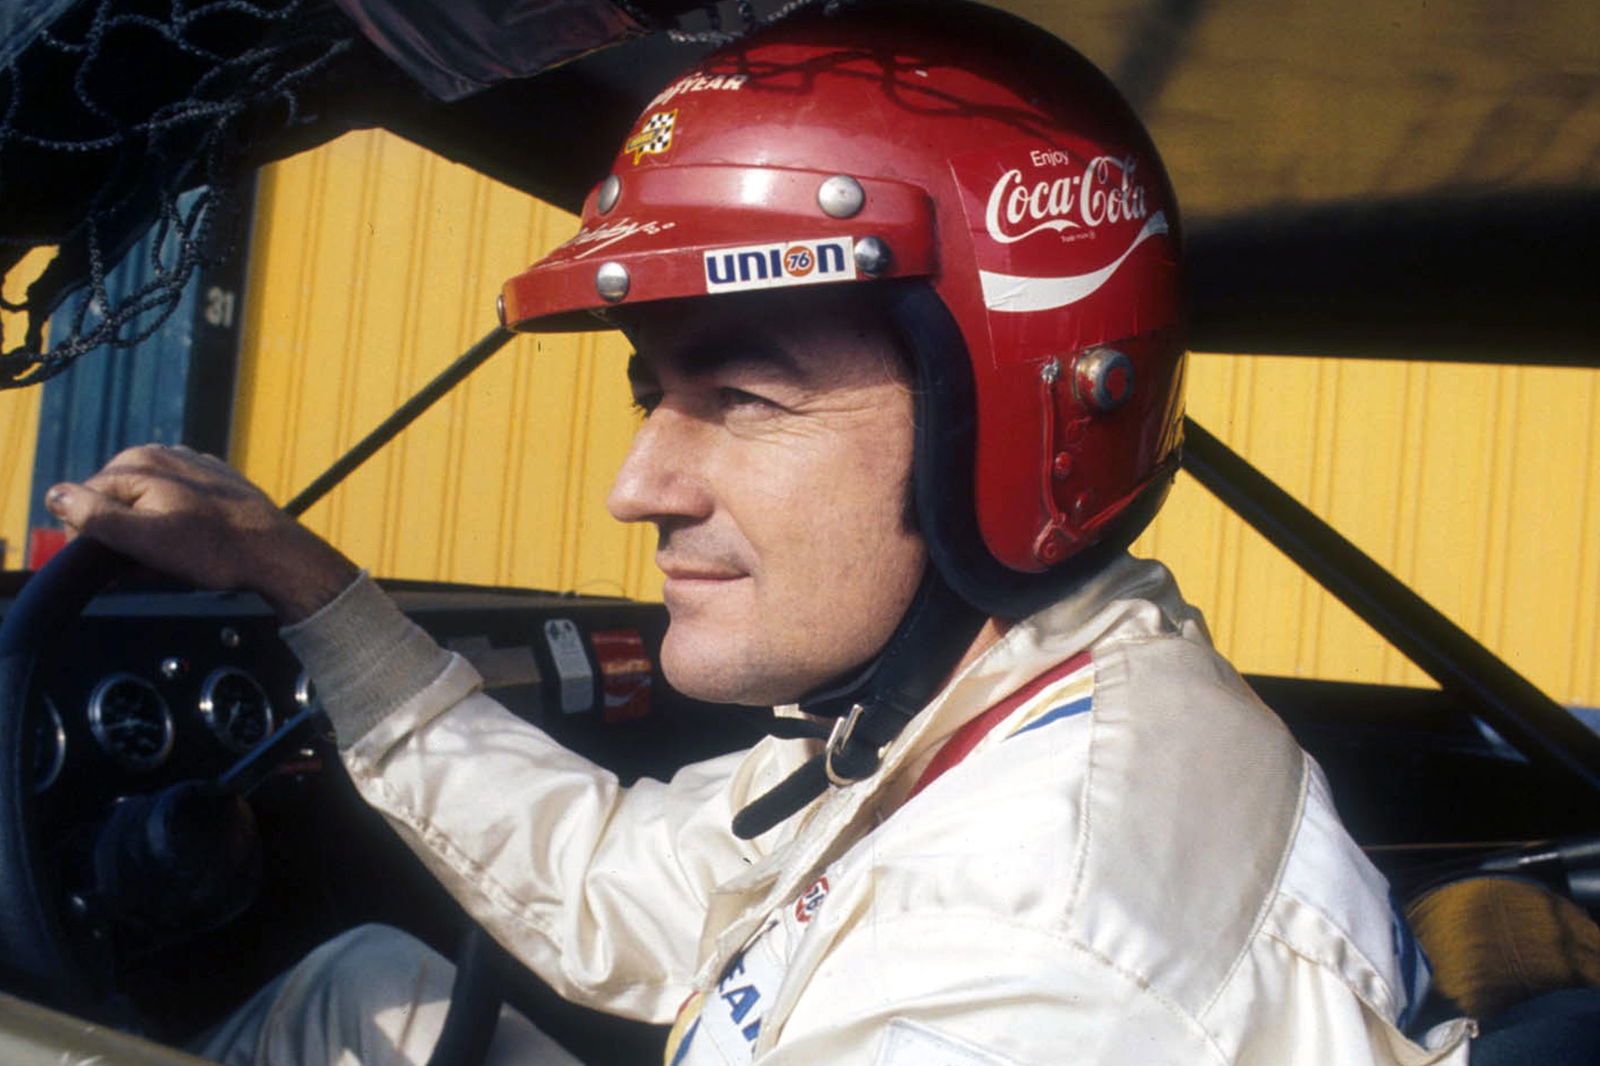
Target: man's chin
point(718, 671)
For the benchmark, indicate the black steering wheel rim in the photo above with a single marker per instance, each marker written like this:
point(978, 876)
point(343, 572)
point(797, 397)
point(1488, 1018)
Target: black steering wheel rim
point(37, 959)
point(35, 950)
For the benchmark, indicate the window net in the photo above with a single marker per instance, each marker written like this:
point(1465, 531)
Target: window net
point(108, 115)
point(122, 118)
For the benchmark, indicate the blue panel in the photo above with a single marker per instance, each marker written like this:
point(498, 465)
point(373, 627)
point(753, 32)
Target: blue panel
point(21, 21)
point(111, 399)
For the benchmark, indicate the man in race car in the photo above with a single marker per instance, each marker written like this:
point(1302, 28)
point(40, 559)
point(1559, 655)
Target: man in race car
point(904, 287)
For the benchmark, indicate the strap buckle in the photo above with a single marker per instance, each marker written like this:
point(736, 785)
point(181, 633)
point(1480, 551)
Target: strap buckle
point(843, 729)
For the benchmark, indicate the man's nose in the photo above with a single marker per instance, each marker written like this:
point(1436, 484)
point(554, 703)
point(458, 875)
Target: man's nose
point(661, 476)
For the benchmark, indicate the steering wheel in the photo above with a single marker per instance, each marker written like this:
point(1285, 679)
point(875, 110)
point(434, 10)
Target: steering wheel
point(40, 956)
point(36, 950)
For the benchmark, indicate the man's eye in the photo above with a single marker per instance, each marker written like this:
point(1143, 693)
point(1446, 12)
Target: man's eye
point(731, 397)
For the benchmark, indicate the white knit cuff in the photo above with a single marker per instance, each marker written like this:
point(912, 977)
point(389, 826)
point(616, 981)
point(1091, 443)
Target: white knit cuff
point(365, 656)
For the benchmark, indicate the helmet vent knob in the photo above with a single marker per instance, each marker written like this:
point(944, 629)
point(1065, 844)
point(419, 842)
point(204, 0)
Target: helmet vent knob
point(872, 256)
point(1103, 379)
point(611, 282)
point(1051, 545)
point(841, 196)
point(610, 192)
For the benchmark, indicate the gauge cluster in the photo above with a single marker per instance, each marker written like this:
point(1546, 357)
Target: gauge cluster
point(153, 688)
point(129, 705)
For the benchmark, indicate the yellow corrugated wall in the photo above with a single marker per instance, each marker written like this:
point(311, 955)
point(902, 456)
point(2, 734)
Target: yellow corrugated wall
point(376, 264)
point(1476, 485)
point(19, 427)
point(19, 421)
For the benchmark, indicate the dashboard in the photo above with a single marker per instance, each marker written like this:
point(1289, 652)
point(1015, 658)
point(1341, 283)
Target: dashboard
point(158, 687)
point(154, 687)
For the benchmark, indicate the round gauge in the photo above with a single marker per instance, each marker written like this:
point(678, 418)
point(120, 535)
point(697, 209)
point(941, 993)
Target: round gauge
point(49, 745)
point(131, 721)
point(236, 708)
point(305, 692)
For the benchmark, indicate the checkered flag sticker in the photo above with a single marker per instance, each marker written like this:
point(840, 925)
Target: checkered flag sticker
point(655, 137)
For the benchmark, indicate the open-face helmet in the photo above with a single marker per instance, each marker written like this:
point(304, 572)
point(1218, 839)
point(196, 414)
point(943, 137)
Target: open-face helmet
point(1000, 180)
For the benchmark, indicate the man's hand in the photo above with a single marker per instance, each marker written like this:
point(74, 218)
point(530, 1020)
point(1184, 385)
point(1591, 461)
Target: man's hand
point(193, 517)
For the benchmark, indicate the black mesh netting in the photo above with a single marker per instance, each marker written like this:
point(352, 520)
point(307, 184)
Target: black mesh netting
point(117, 109)
point(107, 116)
point(749, 19)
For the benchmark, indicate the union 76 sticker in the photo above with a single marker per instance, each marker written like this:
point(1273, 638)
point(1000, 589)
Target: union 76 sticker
point(774, 266)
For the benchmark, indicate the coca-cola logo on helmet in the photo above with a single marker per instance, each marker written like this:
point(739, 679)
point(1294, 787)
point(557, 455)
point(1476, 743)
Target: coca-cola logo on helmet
point(1103, 191)
point(1052, 225)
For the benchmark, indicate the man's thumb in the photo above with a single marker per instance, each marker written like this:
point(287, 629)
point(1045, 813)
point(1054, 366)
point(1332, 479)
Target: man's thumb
point(79, 507)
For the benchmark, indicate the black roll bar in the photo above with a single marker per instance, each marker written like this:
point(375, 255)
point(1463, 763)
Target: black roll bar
point(1532, 722)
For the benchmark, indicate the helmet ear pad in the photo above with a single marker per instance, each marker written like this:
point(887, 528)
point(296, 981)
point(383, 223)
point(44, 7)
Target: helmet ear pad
point(942, 479)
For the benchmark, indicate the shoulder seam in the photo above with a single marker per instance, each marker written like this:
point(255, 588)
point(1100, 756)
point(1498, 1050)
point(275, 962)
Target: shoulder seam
point(1270, 897)
point(1144, 985)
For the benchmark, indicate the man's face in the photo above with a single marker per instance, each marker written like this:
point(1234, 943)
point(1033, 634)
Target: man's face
point(774, 460)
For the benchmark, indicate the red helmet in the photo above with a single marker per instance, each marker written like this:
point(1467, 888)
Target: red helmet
point(1003, 180)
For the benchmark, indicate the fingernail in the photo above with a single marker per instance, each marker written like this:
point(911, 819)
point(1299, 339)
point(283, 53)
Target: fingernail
point(56, 497)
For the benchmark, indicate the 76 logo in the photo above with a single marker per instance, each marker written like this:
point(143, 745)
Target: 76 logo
point(799, 261)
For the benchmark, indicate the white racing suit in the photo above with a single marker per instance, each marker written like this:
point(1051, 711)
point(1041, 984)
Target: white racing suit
point(1094, 846)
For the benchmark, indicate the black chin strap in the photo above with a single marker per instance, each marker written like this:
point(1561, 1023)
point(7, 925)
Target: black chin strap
point(871, 711)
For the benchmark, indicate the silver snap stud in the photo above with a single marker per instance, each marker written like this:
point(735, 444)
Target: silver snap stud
point(1103, 379)
point(841, 196)
point(611, 282)
point(610, 192)
point(872, 256)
